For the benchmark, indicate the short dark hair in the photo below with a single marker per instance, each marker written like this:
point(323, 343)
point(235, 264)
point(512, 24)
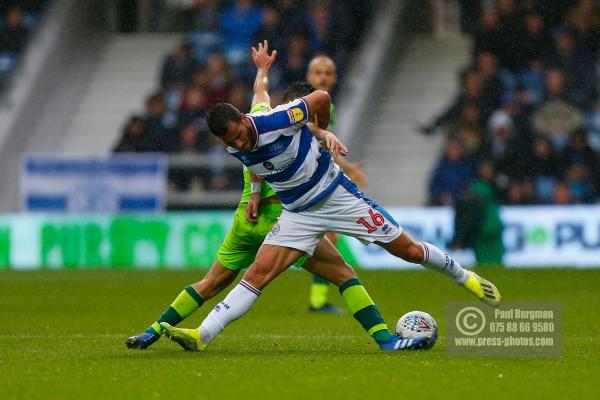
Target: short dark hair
point(296, 90)
point(219, 117)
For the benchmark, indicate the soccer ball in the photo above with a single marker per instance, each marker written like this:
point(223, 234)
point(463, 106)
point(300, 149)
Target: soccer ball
point(417, 324)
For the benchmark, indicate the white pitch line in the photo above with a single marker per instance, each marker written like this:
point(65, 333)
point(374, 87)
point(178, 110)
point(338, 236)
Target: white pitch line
point(52, 336)
point(103, 336)
point(125, 335)
point(260, 336)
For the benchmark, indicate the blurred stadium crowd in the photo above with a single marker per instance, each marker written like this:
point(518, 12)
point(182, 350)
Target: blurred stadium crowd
point(17, 20)
point(213, 65)
point(527, 118)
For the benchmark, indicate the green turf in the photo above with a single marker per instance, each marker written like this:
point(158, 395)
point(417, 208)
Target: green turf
point(63, 337)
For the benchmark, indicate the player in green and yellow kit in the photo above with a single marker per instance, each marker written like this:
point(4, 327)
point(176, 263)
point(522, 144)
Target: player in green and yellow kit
point(322, 75)
point(236, 253)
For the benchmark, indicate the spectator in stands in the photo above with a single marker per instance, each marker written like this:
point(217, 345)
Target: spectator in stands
point(472, 139)
point(238, 96)
point(135, 138)
point(583, 165)
point(293, 13)
point(203, 79)
point(581, 183)
point(577, 64)
point(218, 178)
point(320, 24)
point(557, 116)
point(471, 93)
point(544, 167)
point(579, 151)
point(470, 14)
point(469, 115)
point(532, 81)
point(536, 42)
point(191, 140)
point(296, 59)
point(526, 102)
point(207, 16)
point(520, 191)
point(14, 35)
point(193, 110)
point(205, 37)
point(554, 11)
point(487, 66)
point(271, 29)
point(239, 24)
point(488, 37)
point(219, 76)
point(511, 108)
point(156, 120)
point(502, 144)
point(584, 20)
point(592, 126)
point(562, 194)
point(509, 21)
point(178, 68)
point(535, 137)
point(451, 176)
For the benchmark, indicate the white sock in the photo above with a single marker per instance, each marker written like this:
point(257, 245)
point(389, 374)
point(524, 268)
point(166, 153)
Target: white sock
point(437, 260)
point(237, 303)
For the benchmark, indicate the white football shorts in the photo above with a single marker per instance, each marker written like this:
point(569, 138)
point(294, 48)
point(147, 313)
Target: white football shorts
point(346, 212)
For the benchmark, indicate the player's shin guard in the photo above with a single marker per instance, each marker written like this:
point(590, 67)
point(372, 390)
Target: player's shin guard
point(236, 304)
point(319, 290)
point(362, 307)
point(436, 260)
point(188, 301)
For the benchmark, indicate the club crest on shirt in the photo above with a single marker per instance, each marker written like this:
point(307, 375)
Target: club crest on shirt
point(295, 114)
point(275, 147)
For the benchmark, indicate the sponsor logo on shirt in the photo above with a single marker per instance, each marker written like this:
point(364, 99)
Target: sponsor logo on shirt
point(295, 114)
point(269, 165)
point(386, 229)
point(275, 230)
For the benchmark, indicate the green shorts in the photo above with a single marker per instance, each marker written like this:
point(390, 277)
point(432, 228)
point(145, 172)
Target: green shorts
point(244, 239)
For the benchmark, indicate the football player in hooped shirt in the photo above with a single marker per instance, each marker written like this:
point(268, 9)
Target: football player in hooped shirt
point(241, 244)
point(317, 198)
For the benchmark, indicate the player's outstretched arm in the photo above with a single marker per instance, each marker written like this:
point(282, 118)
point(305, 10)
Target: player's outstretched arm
point(354, 170)
point(263, 62)
point(319, 107)
point(329, 141)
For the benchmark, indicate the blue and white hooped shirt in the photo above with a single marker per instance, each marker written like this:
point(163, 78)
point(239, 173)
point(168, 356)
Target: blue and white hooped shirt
point(289, 157)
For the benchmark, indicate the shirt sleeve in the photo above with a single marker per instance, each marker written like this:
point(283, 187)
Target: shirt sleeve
point(281, 117)
point(260, 108)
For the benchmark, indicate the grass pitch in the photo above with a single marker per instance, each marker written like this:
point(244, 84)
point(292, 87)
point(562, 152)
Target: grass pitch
point(63, 337)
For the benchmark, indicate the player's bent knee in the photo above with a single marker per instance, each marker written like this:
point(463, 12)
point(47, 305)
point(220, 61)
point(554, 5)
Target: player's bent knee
point(414, 253)
point(257, 275)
